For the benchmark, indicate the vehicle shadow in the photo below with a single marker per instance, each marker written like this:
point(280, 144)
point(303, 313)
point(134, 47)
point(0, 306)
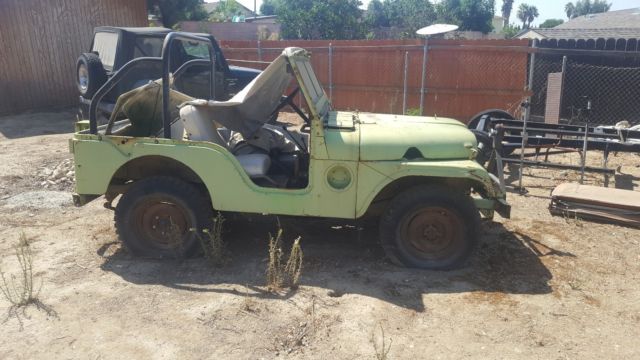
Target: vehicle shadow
point(37, 123)
point(343, 260)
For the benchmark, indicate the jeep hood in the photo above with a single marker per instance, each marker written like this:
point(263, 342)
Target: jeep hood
point(393, 137)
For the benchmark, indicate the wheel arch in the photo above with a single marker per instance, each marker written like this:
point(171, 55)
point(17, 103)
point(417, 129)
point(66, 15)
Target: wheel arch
point(392, 188)
point(151, 165)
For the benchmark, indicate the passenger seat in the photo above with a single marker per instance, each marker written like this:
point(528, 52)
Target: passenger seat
point(200, 128)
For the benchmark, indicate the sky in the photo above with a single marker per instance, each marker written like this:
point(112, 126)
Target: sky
point(548, 9)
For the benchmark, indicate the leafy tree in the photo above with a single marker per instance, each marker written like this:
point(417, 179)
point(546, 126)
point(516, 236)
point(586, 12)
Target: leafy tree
point(470, 15)
point(173, 11)
point(320, 19)
point(585, 7)
point(549, 23)
point(527, 13)
point(225, 11)
point(268, 7)
point(507, 6)
point(510, 31)
point(377, 14)
point(410, 15)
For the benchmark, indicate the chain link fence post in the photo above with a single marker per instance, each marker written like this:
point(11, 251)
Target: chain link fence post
point(404, 93)
point(424, 74)
point(259, 51)
point(527, 113)
point(331, 71)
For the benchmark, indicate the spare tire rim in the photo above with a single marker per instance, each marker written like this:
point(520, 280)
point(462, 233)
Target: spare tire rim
point(433, 233)
point(161, 223)
point(83, 78)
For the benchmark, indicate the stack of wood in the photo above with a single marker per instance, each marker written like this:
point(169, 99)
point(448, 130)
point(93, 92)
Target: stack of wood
point(596, 203)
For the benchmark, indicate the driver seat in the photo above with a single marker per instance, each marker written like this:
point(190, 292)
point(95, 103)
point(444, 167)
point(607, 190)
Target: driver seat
point(198, 127)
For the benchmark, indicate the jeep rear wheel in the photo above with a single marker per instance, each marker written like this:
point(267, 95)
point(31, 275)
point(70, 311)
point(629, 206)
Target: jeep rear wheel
point(155, 216)
point(430, 227)
point(90, 75)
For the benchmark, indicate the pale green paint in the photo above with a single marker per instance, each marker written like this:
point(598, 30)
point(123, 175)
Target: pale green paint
point(367, 146)
point(388, 137)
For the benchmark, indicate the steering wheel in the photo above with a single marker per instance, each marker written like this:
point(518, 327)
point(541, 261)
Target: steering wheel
point(288, 100)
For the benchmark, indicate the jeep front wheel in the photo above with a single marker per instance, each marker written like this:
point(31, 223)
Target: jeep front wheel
point(430, 227)
point(155, 216)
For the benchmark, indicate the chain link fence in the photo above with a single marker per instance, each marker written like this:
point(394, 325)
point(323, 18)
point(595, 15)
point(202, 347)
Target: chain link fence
point(613, 90)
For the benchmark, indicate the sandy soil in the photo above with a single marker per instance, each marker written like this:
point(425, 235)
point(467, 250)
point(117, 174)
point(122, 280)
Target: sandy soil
point(538, 287)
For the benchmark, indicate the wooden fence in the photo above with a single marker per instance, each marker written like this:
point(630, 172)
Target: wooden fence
point(40, 41)
point(462, 77)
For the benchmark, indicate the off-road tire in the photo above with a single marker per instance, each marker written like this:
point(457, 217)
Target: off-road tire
point(96, 74)
point(485, 146)
point(162, 198)
point(420, 210)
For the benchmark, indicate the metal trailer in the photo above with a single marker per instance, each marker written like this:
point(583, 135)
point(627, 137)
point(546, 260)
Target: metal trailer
point(553, 139)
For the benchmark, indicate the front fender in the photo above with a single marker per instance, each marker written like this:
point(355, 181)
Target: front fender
point(373, 176)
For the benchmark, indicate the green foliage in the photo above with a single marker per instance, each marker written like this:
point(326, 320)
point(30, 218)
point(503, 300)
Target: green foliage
point(527, 13)
point(549, 23)
point(377, 14)
point(510, 31)
point(173, 11)
point(268, 7)
point(225, 11)
point(585, 7)
point(470, 15)
point(320, 19)
point(410, 15)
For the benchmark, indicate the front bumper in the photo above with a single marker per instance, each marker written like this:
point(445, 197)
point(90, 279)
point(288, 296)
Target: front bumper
point(503, 208)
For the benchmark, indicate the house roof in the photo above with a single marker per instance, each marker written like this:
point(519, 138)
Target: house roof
point(555, 33)
point(211, 7)
point(619, 19)
point(620, 24)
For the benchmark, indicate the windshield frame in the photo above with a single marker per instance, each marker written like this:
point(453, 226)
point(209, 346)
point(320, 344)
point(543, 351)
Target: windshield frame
point(315, 96)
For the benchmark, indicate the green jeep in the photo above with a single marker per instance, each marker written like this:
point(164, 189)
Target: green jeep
point(177, 161)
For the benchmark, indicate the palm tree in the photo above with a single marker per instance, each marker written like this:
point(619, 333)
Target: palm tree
point(570, 10)
point(507, 5)
point(527, 13)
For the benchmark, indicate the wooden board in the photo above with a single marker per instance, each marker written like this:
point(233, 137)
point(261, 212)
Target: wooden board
point(554, 98)
point(598, 203)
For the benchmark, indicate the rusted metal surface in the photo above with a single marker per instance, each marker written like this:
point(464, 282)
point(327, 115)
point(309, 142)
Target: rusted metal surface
point(462, 78)
point(40, 41)
point(434, 232)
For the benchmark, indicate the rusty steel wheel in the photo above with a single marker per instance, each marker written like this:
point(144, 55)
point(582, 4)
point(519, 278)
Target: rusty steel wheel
point(162, 222)
point(430, 227)
point(154, 217)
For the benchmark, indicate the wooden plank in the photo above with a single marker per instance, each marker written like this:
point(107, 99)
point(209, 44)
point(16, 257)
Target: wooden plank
point(554, 98)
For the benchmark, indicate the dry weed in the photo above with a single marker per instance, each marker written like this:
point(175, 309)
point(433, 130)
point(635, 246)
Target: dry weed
point(281, 275)
point(382, 350)
point(19, 289)
point(213, 246)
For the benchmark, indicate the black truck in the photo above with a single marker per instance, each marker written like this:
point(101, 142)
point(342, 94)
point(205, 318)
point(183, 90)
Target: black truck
point(190, 64)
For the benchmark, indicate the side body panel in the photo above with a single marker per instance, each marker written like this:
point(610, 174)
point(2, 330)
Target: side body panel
point(229, 186)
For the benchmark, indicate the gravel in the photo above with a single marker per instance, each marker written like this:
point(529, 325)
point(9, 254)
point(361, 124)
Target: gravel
point(41, 199)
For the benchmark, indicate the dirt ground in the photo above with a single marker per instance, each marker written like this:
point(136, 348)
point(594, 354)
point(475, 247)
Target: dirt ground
point(538, 287)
